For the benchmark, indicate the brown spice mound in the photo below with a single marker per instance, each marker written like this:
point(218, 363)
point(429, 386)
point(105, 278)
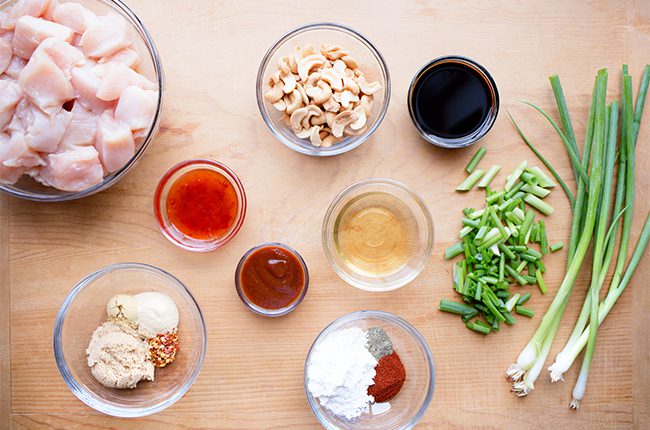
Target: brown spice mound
point(389, 379)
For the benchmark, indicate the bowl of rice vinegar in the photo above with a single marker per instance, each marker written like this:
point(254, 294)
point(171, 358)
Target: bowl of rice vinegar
point(378, 235)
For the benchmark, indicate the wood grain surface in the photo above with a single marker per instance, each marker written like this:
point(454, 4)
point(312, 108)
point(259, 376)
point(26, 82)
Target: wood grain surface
point(252, 377)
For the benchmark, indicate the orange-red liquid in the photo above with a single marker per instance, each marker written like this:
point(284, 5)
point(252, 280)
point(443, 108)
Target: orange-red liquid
point(202, 204)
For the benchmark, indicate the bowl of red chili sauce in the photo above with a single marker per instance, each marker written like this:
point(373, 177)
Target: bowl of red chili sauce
point(271, 279)
point(200, 204)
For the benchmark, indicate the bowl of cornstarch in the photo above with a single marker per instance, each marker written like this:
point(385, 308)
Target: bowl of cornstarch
point(369, 370)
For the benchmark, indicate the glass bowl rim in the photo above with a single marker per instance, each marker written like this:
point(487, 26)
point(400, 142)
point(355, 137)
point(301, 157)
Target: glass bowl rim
point(197, 163)
point(474, 136)
point(326, 25)
point(326, 233)
point(153, 129)
point(393, 319)
point(258, 309)
point(80, 392)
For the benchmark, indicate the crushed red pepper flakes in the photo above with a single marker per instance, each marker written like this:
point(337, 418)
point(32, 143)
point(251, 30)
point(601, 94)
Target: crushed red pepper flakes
point(163, 348)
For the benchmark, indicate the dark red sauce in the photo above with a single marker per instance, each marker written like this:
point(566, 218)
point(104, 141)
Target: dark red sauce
point(272, 277)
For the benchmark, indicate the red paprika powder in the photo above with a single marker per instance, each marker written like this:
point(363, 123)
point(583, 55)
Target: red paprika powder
point(389, 378)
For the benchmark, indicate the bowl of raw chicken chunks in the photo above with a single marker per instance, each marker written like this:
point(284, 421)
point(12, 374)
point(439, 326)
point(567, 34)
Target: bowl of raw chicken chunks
point(80, 96)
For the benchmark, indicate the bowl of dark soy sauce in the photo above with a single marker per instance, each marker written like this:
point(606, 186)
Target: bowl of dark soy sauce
point(453, 101)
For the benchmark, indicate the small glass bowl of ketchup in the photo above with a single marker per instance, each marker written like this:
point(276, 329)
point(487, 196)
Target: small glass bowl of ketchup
point(200, 204)
point(271, 279)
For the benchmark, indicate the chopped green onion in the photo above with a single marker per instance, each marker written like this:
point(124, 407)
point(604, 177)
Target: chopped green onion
point(475, 159)
point(477, 328)
point(524, 311)
point(538, 204)
point(523, 299)
point(540, 282)
point(556, 246)
point(489, 176)
point(455, 307)
point(514, 177)
point(453, 250)
point(535, 190)
point(471, 180)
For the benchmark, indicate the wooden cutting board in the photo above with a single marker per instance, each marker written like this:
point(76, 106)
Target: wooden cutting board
point(252, 377)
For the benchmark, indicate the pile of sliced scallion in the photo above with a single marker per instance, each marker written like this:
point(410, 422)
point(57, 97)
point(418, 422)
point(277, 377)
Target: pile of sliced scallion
point(603, 203)
point(496, 244)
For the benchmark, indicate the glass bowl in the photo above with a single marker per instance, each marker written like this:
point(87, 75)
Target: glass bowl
point(84, 309)
point(406, 246)
point(370, 62)
point(170, 231)
point(474, 136)
point(410, 404)
point(151, 67)
point(258, 309)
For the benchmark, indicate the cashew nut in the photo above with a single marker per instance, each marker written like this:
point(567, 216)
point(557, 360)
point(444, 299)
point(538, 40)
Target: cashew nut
point(320, 93)
point(274, 78)
point(342, 120)
point(303, 94)
point(340, 67)
point(349, 132)
point(294, 102)
point(333, 52)
point(351, 85)
point(308, 63)
point(366, 102)
point(289, 83)
point(293, 64)
point(346, 98)
point(314, 136)
point(361, 121)
point(283, 65)
point(274, 94)
point(366, 87)
point(331, 105)
point(329, 119)
point(303, 134)
point(332, 78)
point(328, 141)
point(308, 50)
point(350, 62)
point(313, 111)
point(280, 105)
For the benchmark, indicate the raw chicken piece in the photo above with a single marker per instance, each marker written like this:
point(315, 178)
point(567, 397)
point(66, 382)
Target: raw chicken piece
point(81, 129)
point(16, 158)
point(85, 84)
point(15, 67)
point(45, 84)
point(5, 55)
point(137, 107)
point(10, 95)
point(106, 37)
point(30, 32)
point(8, 175)
point(127, 56)
point(44, 132)
point(116, 77)
point(22, 8)
point(48, 13)
point(64, 55)
point(114, 142)
point(72, 169)
point(6, 35)
point(75, 16)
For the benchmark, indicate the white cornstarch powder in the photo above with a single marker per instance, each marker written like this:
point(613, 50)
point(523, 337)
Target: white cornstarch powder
point(339, 372)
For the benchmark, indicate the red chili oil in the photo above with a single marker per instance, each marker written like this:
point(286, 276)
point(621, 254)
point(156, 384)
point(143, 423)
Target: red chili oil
point(202, 204)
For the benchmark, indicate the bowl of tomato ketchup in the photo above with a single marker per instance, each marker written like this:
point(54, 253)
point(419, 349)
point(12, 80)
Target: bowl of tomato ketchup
point(200, 204)
point(271, 279)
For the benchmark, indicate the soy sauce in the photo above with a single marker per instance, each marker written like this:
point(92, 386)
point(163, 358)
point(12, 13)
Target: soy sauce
point(452, 98)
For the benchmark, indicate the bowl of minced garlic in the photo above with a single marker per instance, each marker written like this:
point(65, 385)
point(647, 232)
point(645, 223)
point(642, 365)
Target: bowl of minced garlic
point(369, 370)
point(129, 340)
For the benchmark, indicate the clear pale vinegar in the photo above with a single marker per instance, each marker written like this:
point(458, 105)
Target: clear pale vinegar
point(375, 234)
